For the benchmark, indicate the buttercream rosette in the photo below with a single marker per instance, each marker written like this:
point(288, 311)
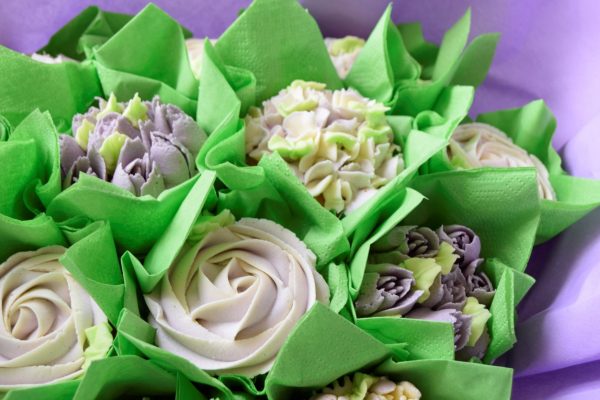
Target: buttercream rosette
point(476, 145)
point(338, 143)
point(49, 59)
point(433, 275)
point(145, 147)
point(233, 295)
point(343, 52)
point(51, 328)
point(367, 387)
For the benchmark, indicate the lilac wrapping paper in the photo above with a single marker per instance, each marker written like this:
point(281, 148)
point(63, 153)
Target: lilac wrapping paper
point(548, 49)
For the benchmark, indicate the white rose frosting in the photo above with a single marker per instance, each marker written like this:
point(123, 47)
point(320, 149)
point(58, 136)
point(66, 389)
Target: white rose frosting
point(46, 321)
point(230, 300)
point(338, 143)
point(343, 52)
point(477, 145)
point(48, 59)
point(195, 49)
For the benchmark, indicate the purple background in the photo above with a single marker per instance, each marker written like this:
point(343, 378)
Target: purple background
point(548, 49)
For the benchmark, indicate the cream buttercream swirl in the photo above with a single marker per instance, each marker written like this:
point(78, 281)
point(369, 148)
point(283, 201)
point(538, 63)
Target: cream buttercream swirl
point(230, 300)
point(476, 145)
point(51, 328)
point(338, 143)
point(343, 52)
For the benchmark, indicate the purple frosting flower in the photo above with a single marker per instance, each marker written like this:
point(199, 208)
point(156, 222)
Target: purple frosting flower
point(478, 284)
point(144, 147)
point(448, 291)
point(477, 351)
point(465, 242)
point(461, 322)
point(386, 290)
point(403, 242)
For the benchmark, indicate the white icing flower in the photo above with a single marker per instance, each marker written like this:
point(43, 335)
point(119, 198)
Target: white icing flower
point(338, 143)
point(477, 145)
point(367, 387)
point(343, 52)
point(231, 299)
point(195, 49)
point(51, 328)
point(48, 59)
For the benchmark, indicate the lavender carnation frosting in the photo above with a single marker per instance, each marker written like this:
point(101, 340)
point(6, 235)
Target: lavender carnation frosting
point(418, 272)
point(145, 147)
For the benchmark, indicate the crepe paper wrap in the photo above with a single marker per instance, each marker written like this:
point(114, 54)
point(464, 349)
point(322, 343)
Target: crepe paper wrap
point(386, 70)
point(143, 147)
point(469, 62)
point(195, 49)
point(48, 59)
point(243, 287)
point(29, 177)
point(316, 354)
point(148, 36)
point(338, 143)
point(362, 386)
point(62, 89)
point(282, 198)
point(88, 29)
point(343, 52)
point(477, 145)
point(52, 329)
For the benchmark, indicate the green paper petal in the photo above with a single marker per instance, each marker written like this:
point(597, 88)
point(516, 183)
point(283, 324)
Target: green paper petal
point(282, 39)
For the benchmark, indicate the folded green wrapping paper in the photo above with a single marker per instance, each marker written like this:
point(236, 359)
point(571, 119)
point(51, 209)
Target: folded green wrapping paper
point(453, 59)
point(238, 73)
point(63, 89)
point(314, 357)
point(531, 127)
point(90, 28)
point(133, 61)
point(386, 70)
point(79, 274)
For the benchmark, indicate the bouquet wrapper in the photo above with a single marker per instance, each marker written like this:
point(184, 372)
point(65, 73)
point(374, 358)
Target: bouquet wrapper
point(241, 71)
point(531, 127)
point(64, 89)
point(148, 56)
point(398, 67)
point(90, 28)
point(313, 357)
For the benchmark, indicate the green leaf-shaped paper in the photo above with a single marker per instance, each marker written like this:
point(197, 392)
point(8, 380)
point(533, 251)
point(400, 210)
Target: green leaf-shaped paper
point(30, 177)
point(499, 204)
point(88, 29)
point(140, 336)
point(148, 56)
point(322, 348)
point(452, 380)
point(64, 89)
point(279, 42)
point(453, 63)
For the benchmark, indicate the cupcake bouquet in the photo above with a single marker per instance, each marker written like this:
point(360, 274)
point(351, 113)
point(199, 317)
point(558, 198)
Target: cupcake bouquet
point(265, 215)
